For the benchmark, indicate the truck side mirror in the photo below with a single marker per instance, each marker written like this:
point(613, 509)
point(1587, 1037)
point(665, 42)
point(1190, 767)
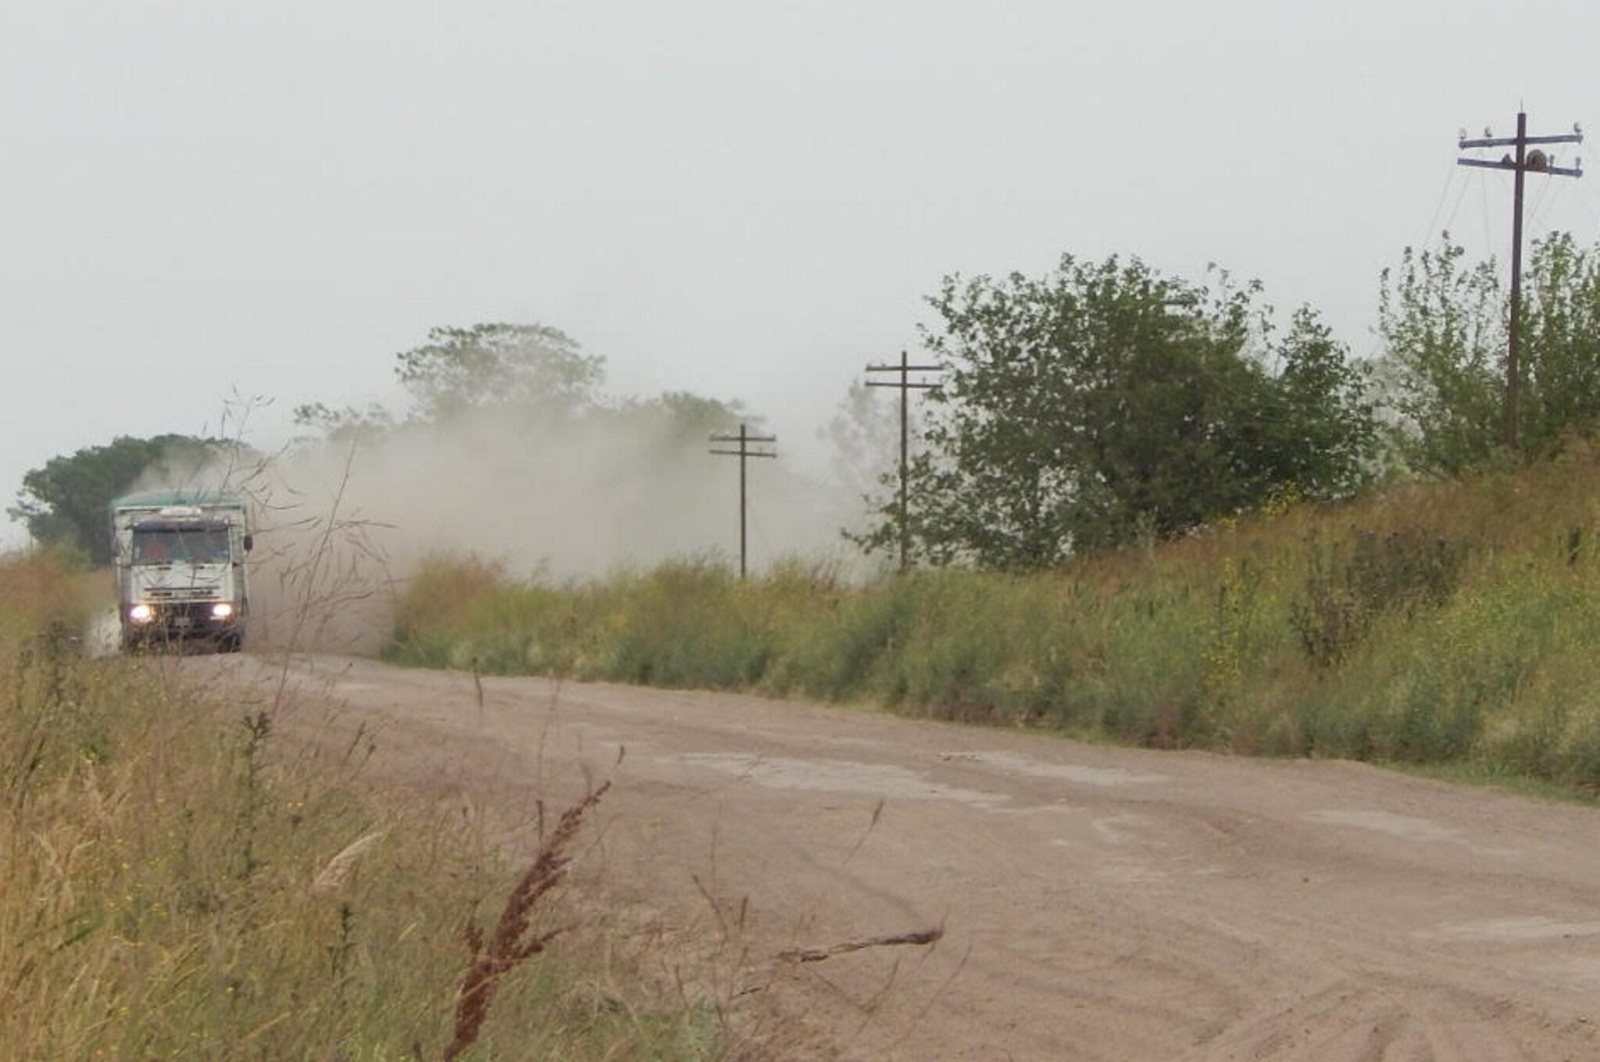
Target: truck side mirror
point(249, 543)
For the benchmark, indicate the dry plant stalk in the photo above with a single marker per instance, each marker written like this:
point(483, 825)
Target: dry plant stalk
point(511, 945)
point(338, 868)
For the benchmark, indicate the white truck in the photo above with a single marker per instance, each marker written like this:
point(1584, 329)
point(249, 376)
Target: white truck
point(179, 562)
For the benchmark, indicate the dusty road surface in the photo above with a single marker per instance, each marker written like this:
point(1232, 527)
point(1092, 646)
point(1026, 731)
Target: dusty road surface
point(1097, 903)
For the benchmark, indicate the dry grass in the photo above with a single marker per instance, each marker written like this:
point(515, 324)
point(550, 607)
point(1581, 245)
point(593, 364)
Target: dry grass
point(178, 882)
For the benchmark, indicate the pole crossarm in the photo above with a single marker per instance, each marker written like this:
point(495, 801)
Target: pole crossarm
point(744, 438)
point(1506, 164)
point(1511, 141)
point(904, 371)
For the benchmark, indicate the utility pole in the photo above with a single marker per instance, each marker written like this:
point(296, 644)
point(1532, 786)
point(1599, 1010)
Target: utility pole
point(905, 385)
point(1522, 162)
point(744, 453)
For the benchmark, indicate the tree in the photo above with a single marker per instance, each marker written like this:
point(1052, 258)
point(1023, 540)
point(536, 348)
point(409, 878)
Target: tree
point(686, 418)
point(1562, 343)
point(865, 434)
point(1103, 402)
point(344, 425)
point(1312, 428)
point(1444, 322)
point(459, 369)
point(67, 500)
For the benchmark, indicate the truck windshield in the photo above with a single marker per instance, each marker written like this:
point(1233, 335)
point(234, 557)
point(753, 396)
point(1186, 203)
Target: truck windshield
point(198, 546)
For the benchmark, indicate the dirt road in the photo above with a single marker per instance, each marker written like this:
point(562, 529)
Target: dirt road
point(1097, 903)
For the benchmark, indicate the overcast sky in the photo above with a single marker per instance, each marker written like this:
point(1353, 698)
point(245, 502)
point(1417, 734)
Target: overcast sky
point(747, 200)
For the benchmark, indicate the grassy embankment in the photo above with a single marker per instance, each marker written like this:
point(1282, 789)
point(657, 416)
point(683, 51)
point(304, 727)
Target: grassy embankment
point(1433, 624)
point(178, 883)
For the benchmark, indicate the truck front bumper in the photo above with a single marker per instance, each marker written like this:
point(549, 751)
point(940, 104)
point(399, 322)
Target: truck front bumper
point(180, 621)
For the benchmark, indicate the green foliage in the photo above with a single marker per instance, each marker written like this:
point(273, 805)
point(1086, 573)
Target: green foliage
point(508, 364)
point(65, 502)
point(1562, 316)
point(1104, 403)
point(1443, 324)
point(1432, 623)
point(1312, 433)
point(1444, 321)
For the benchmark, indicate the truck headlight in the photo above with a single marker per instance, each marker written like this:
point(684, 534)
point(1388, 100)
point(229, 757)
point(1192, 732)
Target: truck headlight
point(141, 613)
point(222, 610)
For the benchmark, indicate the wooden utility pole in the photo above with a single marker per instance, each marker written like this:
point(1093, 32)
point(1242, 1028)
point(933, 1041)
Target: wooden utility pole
point(1522, 162)
point(905, 385)
point(744, 453)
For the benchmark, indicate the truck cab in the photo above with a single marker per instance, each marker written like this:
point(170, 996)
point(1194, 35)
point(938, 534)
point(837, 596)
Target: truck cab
point(180, 568)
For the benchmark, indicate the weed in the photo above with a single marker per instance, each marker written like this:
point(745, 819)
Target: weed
point(511, 945)
point(1349, 585)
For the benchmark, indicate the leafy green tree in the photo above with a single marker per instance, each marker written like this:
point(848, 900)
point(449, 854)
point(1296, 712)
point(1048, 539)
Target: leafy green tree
point(534, 365)
point(66, 501)
point(1311, 428)
point(1104, 402)
point(1444, 321)
point(1561, 389)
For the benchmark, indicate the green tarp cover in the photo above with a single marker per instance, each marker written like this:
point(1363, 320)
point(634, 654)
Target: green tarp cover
point(160, 499)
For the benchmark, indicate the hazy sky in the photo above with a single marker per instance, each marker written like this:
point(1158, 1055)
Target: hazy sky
point(746, 200)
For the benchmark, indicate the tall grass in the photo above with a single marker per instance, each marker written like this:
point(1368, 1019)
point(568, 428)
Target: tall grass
point(1432, 623)
point(176, 882)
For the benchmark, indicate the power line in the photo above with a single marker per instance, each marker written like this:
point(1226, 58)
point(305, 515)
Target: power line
point(1444, 193)
point(1460, 198)
point(1591, 203)
point(1520, 164)
point(1483, 216)
point(1536, 212)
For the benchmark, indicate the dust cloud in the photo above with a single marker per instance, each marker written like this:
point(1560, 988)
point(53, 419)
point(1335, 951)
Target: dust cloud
point(341, 522)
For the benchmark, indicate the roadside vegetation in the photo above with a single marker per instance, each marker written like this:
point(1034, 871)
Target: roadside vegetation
point(179, 882)
point(1153, 510)
point(1431, 623)
point(1136, 505)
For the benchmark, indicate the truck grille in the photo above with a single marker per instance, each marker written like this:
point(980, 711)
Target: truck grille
point(183, 593)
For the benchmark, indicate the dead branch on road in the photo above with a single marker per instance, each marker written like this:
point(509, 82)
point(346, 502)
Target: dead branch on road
point(920, 936)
